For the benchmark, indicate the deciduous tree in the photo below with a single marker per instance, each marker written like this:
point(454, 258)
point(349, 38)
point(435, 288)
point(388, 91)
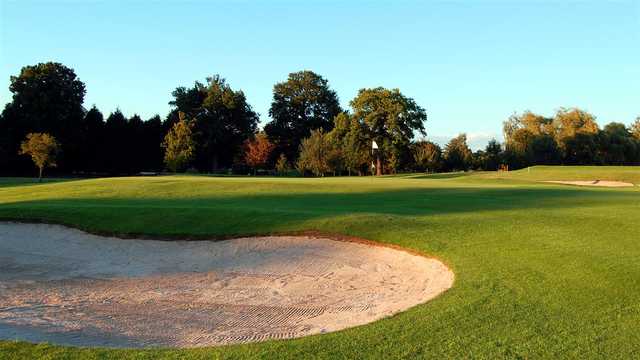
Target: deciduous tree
point(47, 98)
point(315, 152)
point(179, 145)
point(635, 128)
point(257, 151)
point(349, 136)
point(427, 156)
point(457, 154)
point(303, 103)
point(222, 120)
point(42, 148)
point(391, 119)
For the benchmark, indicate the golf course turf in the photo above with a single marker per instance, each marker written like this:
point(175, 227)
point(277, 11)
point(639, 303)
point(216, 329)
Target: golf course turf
point(542, 270)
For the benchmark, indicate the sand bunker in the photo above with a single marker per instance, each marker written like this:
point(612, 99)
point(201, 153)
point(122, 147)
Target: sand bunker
point(602, 183)
point(65, 286)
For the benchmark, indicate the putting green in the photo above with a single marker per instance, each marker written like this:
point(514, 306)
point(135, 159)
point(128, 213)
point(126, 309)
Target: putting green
point(542, 270)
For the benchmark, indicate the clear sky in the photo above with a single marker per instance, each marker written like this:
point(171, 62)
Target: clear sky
point(469, 63)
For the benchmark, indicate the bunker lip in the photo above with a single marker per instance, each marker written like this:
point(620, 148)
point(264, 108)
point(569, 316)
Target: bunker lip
point(69, 287)
point(597, 183)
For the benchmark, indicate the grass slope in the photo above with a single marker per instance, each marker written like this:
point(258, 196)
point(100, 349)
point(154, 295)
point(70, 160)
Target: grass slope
point(542, 271)
point(630, 174)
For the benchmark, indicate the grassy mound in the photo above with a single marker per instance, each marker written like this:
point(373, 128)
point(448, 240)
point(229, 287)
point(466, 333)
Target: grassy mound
point(630, 174)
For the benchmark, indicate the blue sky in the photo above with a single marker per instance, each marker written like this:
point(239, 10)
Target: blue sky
point(469, 63)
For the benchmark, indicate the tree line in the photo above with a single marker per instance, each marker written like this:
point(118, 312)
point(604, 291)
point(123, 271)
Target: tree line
point(211, 127)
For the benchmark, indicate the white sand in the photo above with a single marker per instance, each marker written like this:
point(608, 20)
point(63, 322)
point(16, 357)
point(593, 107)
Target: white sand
point(65, 286)
point(601, 183)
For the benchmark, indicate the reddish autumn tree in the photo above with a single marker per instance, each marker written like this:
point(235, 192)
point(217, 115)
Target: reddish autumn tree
point(257, 150)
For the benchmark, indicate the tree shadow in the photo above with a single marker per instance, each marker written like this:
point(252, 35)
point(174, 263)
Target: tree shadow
point(439, 176)
point(263, 213)
point(6, 182)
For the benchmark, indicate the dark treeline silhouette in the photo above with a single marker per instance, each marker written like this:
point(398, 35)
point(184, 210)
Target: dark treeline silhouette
point(309, 132)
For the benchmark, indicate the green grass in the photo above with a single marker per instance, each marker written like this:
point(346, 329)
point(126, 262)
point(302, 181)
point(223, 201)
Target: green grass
point(629, 174)
point(542, 271)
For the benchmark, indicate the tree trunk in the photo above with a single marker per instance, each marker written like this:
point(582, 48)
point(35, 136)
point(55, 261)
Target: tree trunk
point(214, 162)
point(378, 166)
point(40, 175)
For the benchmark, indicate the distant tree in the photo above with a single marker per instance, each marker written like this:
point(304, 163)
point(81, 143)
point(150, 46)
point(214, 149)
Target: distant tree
point(96, 151)
point(134, 142)
point(635, 128)
point(427, 156)
point(315, 153)
point(570, 122)
point(42, 148)
point(282, 165)
point(617, 145)
point(530, 139)
point(349, 139)
point(153, 133)
point(117, 155)
point(391, 119)
point(543, 150)
point(257, 151)
point(457, 154)
point(179, 145)
point(582, 149)
point(493, 153)
point(222, 120)
point(301, 104)
point(47, 98)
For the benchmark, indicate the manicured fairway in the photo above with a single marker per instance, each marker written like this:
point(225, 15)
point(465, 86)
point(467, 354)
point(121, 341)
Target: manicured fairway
point(542, 271)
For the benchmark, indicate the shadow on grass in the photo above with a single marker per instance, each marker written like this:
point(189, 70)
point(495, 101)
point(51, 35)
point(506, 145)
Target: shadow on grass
point(439, 176)
point(22, 181)
point(264, 213)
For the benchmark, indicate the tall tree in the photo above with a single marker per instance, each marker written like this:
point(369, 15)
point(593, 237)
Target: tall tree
point(179, 145)
point(47, 97)
point(302, 103)
point(42, 148)
point(457, 154)
point(95, 148)
point(222, 121)
point(117, 153)
point(153, 135)
point(390, 119)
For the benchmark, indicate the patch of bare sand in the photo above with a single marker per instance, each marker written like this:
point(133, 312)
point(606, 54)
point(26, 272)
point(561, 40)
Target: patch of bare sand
point(65, 286)
point(601, 183)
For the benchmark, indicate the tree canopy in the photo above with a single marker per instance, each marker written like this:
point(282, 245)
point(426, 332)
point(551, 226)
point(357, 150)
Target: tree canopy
point(47, 98)
point(42, 148)
point(427, 156)
point(457, 154)
point(223, 120)
point(179, 145)
point(391, 119)
point(302, 103)
point(316, 153)
point(257, 150)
